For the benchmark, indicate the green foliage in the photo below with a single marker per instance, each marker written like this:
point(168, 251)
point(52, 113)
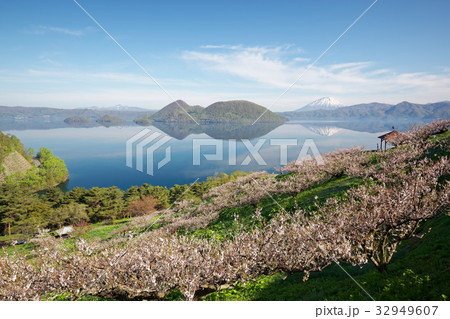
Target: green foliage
point(33, 217)
point(162, 194)
point(69, 214)
point(180, 192)
point(9, 144)
point(104, 203)
point(53, 196)
point(17, 208)
point(52, 169)
point(76, 195)
point(51, 172)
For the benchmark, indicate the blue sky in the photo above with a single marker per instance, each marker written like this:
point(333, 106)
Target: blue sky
point(53, 55)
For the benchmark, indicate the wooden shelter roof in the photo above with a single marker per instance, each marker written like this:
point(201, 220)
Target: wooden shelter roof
point(391, 135)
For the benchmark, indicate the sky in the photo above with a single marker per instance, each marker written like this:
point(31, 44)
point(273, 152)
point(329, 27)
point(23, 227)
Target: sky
point(53, 55)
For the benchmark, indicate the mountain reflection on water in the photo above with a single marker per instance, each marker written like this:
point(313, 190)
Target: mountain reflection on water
point(217, 131)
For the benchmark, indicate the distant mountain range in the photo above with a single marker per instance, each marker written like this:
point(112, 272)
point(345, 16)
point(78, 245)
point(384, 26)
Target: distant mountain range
point(375, 110)
point(118, 107)
point(219, 112)
point(244, 112)
point(325, 103)
point(20, 117)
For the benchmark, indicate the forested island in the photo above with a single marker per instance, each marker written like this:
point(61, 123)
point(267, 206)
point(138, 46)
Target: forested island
point(108, 120)
point(144, 120)
point(77, 120)
point(220, 112)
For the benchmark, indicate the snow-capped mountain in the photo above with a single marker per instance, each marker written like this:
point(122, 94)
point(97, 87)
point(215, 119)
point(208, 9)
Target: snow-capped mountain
point(325, 103)
point(324, 130)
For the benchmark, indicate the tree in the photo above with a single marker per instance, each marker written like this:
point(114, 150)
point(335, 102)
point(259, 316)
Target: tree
point(158, 192)
point(76, 195)
point(53, 196)
point(35, 216)
point(178, 192)
point(52, 169)
point(144, 206)
point(104, 203)
point(72, 213)
point(14, 204)
point(132, 194)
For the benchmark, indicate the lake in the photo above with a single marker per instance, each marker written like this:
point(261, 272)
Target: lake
point(97, 156)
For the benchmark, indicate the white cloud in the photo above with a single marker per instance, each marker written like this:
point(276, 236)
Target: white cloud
point(352, 82)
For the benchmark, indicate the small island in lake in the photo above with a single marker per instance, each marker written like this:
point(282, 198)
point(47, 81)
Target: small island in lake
point(108, 120)
point(77, 120)
point(144, 120)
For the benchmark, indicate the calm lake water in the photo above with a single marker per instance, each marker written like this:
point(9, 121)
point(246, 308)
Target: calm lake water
point(96, 156)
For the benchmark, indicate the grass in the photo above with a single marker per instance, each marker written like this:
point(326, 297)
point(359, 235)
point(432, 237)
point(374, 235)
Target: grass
point(20, 249)
point(104, 232)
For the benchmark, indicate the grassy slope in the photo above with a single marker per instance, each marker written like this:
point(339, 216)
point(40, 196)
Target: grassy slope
point(14, 163)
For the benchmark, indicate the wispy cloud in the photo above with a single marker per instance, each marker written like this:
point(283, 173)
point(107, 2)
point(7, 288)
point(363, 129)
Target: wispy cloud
point(94, 78)
point(41, 29)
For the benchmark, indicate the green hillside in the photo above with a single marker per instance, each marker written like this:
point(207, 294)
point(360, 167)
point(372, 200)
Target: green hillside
point(240, 111)
point(176, 112)
point(13, 157)
point(14, 163)
point(17, 166)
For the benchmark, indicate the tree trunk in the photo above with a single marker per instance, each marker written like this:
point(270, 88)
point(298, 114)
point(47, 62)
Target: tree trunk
point(382, 267)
